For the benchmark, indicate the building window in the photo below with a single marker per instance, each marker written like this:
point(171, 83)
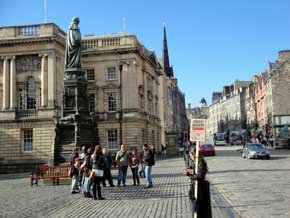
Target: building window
point(30, 94)
point(112, 138)
point(20, 99)
point(112, 102)
point(27, 139)
point(111, 73)
point(150, 106)
point(90, 74)
point(92, 102)
point(142, 102)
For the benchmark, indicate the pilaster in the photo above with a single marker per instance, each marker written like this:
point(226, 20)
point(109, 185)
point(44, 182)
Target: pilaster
point(13, 96)
point(51, 70)
point(44, 80)
point(6, 83)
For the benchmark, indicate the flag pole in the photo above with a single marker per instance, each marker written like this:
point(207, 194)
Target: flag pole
point(45, 19)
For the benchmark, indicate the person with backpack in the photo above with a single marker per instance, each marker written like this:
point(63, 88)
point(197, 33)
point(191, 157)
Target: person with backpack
point(122, 159)
point(149, 161)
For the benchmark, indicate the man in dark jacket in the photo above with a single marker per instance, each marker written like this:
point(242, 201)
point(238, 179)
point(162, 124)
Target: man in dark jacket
point(108, 166)
point(202, 204)
point(148, 159)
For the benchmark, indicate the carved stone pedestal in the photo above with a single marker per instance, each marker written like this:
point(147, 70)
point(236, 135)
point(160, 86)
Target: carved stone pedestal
point(76, 128)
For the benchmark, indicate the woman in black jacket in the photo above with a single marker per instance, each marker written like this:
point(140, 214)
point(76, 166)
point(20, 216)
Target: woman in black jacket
point(98, 166)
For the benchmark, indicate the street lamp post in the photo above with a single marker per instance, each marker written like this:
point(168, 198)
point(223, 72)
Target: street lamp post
point(121, 104)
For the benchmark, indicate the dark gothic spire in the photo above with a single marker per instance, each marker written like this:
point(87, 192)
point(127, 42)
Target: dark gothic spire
point(165, 57)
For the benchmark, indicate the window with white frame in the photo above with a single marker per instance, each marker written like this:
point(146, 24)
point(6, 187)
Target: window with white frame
point(90, 74)
point(27, 139)
point(111, 73)
point(92, 102)
point(112, 138)
point(112, 101)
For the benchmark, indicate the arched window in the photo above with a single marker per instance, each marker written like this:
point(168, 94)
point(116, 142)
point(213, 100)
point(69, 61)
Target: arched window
point(30, 93)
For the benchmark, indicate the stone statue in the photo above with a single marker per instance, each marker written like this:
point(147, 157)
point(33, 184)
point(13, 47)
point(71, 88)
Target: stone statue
point(73, 45)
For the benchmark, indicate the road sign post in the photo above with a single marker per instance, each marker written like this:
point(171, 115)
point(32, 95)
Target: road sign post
point(197, 134)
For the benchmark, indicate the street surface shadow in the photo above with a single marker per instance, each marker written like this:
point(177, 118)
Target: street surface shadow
point(138, 192)
point(228, 153)
point(249, 170)
point(14, 176)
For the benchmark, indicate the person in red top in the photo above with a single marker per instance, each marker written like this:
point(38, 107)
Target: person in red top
point(134, 163)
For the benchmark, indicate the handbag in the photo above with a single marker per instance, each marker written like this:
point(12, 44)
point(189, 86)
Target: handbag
point(98, 173)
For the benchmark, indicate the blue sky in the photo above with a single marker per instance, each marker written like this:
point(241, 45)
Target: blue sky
point(211, 43)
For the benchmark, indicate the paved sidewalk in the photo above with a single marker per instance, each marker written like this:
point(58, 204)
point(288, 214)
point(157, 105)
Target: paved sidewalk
point(168, 198)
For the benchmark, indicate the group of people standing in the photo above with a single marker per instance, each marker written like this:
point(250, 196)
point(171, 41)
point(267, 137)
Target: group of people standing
point(92, 167)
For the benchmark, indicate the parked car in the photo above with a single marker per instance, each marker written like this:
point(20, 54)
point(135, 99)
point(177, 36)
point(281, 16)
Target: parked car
point(207, 149)
point(255, 150)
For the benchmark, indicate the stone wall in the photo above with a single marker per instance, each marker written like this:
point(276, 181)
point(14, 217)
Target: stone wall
point(11, 146)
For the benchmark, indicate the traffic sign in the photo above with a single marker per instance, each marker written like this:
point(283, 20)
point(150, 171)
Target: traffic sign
point(197, 129)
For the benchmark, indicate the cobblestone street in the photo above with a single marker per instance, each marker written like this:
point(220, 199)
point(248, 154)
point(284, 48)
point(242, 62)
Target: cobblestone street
point(254, 188)
point(168, 198)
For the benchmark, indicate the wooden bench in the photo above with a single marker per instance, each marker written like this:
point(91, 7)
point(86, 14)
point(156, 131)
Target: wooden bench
point(49, 172)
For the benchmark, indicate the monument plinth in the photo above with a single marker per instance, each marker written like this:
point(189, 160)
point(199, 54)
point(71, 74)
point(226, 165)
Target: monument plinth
point(76, 127)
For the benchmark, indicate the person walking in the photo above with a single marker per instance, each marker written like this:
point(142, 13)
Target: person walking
point(142, 166)
point(87, 174)
point(73, 170)
point(98, 166)
point(134, 163)
point(82, 159)
point(163, 149)
point(108, 166)
point(122, 159)
point(148, 159)
point(75, 176)
point(202, 204)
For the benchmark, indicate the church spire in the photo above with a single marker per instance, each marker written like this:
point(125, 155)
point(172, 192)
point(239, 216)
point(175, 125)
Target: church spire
point(165, 57)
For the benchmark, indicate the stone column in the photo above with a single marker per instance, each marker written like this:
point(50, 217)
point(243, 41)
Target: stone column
point(44, 80)
point(13, 96)
point(51, 68)
point(6, 83)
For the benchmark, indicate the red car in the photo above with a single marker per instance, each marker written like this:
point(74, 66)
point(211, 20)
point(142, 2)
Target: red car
point(207, 149)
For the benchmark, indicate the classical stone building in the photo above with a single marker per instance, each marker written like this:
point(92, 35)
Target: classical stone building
point(123, 86)
point(175, 121)
point(260, 84)
point(31, 75)
point(250, 107)
point(278, 89)
point(229, 112)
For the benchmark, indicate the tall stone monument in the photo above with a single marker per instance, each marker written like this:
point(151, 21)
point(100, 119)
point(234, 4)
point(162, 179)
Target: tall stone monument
point(76, 127)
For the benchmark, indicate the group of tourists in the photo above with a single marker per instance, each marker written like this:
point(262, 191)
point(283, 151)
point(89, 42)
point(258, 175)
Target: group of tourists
point(92, 166)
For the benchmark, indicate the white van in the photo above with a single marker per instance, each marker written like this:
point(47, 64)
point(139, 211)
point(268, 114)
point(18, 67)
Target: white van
point(219, 139)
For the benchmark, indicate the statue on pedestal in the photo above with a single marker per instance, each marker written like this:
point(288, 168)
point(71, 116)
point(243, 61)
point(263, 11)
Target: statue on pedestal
point(73, 46)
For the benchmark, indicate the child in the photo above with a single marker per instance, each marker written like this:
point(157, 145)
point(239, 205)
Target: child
point(75, 176)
